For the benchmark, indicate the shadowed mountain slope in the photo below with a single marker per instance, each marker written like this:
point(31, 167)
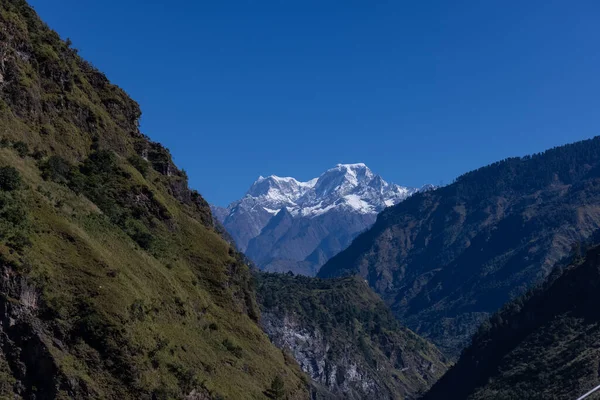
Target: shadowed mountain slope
point(545, 345)
point(444, 259)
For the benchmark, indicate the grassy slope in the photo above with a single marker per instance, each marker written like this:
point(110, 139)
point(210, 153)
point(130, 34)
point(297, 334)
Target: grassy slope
point(120, 318)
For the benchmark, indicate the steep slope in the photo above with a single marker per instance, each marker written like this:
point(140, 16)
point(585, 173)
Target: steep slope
point(114, 282)
point(345, 338)
point(545, 345)
point(444, 259)
point(286, 225)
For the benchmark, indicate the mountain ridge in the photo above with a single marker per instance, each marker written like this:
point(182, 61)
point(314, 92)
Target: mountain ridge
point(306, 198)
point(444, 259)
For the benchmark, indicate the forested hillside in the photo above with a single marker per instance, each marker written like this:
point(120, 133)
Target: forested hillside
point(544, 345)
point(444, 259)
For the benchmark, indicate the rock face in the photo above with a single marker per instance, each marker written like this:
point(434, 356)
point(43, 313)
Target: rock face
point(444, 259)
point(545, 345)
point(25, 358)
point(286, 225)
point(345, 339)
point(309, 347)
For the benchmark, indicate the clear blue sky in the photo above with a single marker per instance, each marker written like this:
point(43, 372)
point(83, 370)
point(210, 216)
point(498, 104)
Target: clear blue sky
point(420, 91)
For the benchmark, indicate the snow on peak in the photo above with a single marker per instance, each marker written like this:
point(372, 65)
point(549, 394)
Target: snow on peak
point(352, 166)
point(274, 212)
point(342, 179)
point(349, 187)
point(358, 204)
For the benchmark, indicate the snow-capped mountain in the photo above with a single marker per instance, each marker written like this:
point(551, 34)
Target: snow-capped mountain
point(285, 224)
point(350, 186)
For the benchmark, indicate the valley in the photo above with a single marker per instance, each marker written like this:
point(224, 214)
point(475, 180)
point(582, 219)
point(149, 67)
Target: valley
point(119, 280)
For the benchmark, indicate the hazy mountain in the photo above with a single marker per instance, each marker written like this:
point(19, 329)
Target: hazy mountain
point(444, 259)
point(283, 224)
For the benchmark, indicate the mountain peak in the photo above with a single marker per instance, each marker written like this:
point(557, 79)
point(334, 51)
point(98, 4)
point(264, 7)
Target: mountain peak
point(352, 186)
point(345, 188)
point(285, 224)
point(352, 166)
point(277, 191)
point(342, 179)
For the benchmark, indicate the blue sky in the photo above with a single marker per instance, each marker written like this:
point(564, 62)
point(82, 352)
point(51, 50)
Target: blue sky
point(420, 91)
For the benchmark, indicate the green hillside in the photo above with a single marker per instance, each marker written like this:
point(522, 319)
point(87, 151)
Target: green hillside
point(115, 284)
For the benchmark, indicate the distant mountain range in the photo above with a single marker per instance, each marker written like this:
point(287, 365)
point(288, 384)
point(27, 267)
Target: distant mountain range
point(283, 224)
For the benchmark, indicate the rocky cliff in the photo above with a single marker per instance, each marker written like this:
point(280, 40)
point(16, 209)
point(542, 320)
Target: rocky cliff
point(345, 338)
